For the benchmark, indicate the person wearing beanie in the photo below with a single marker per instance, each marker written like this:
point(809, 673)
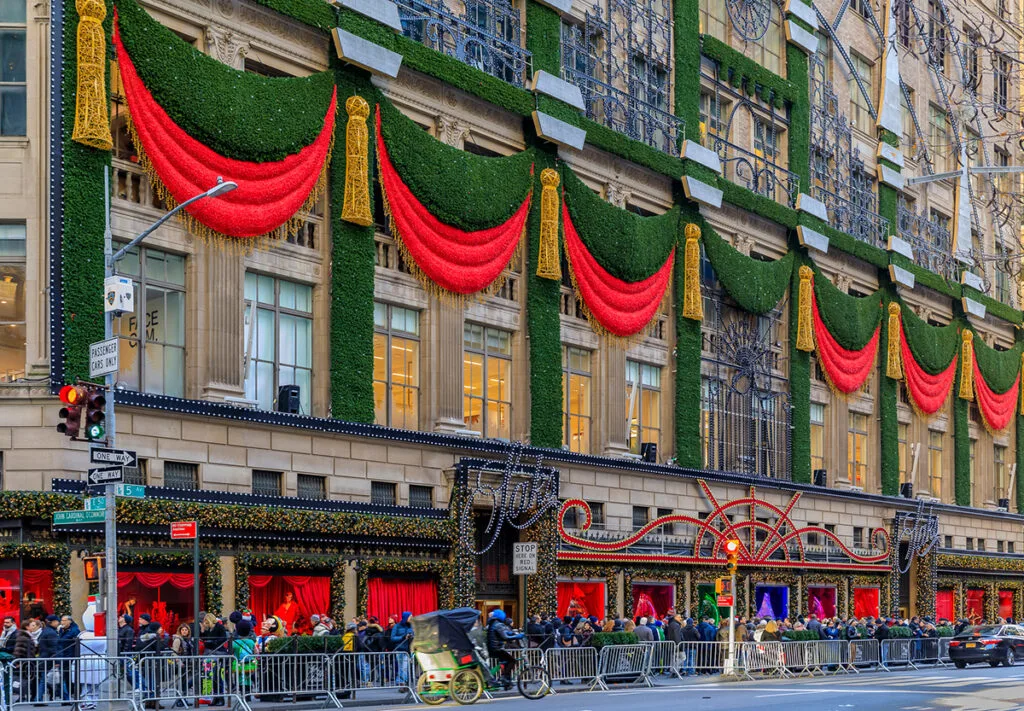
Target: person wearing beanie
point(125, 635)
point(243, 651)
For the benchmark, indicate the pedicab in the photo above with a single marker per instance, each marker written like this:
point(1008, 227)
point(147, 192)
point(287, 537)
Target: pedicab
point(454, 666)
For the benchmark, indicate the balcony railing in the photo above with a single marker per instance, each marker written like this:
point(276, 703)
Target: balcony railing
point(488, 39)
point(930, 241)
point(627, 114)
point(854, 219)
point(755, 172)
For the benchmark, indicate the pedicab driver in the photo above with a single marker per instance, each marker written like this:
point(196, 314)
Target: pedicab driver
point(498, 634)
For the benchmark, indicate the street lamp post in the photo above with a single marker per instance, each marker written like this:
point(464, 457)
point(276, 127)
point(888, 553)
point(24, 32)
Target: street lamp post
point(110, 259)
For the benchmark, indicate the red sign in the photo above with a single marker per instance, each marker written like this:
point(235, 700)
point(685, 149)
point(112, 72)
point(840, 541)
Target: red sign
point(725, 600)
point(184, 529)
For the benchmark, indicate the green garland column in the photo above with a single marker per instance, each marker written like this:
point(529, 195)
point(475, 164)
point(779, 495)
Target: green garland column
point(544, 37)
point(799, 383)
point(352, 274)
point(686, 28)
point(798, 73)
point(961, 440)
point(888, 394)
point(688, 344)
point(84, 219)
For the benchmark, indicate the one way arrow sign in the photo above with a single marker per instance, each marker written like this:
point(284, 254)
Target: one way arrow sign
point(106, 475)
point(115, 457)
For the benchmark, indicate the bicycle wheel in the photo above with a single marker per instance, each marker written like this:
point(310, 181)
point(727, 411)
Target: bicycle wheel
point(431, 692)
point(534, 682)
point(466, 686)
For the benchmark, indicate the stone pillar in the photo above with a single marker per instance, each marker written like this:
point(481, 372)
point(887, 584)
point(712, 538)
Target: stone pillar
point(227, 589)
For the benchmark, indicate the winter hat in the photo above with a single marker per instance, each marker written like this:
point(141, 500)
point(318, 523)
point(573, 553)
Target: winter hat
point(235, 617)
point(406, 616)
point(52, 618)
point(315, 619)
point(243, 628)
point(144, 617)
point(127, 619)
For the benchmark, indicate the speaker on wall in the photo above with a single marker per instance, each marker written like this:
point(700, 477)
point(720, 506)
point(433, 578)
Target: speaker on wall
point(288, 399)
point(821, 477)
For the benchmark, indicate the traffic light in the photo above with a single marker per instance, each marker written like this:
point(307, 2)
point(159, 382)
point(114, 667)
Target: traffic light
point(95, 402)
point(92, 568)
point(72, 396)
point(732, 556)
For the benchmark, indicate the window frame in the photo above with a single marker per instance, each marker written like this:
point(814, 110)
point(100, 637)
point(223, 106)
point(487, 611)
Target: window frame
point(585, 434)
point(857, 466)
point(390, 334)
point(817, 431)
point(308, 478)
point(263, 491)
point(422, 488)
point(16, 266)
point(195, 484)
point(391, 497)
point(860, 115)
point(15, 28)
point(640, 389)
point(935, 454)
point(487, 356)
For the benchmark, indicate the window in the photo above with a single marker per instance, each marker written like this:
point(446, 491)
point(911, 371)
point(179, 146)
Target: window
point(153, 336)
point(181, 475)
point(312, 487)
point(670, 528)
point(421, 496)
point(903, 449)
point(714, 19)
point(970, 49)
point(643, 404)
point(999, 546)
point(266, 482)
point(812, 537)
point(487, 381)
point(711, 111)
point(817, 436)
point(641, 516)
point(596, 513)
point(862, 8)
point(935, 462)
point(941, 238)
point(999, 472)
point(903, 20)
point(1009, 546)
point(860, 116)
point(1001, 83)
point(396, 366)
point(136, 475)
point(972, 445)
point(949, 542)
point(858, 536)
point(857, 449)
point(981, 544)
point(766, 140)
point(650, 82)
point(383, 493)
point(264, 70)
point(576, 389)
point(768, 52)
point(970, 544)
point(909, 130)
point(12, 298)
point(280, 347)
point(938, 145)
point(824, 53)
point(12, 71)
point(936, 35)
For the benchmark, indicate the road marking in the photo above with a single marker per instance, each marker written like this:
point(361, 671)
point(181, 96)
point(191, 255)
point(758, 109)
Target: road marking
point(791, 693)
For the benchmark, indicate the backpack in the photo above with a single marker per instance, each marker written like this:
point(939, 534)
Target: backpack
point(244, 651)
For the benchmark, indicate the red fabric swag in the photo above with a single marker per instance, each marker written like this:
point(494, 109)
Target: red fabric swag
point(847, 370)
point(996, 408)
point(866, 602)
point(927, 391)
point(387, 597)
point(182, 581)
point(459, 261)
point(583, 598)
point(268, 194)
point(621, 307)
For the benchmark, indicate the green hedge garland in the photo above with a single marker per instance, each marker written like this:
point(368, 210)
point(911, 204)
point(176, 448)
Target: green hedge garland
point(1000, 368)
point(686, 18)
point(755, 285)
point(688, 437)
point(933, 347)
point(851, 320)
point(961, 438)
point(749, 76)
point(888, 394)
point(799, 385)
point(799, 134)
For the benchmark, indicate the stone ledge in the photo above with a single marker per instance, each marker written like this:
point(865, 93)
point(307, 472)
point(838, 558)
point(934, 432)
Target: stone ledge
point(811, 239)
point(797, 35)
point(706, 157)
point(812, 206)
point(558, 88)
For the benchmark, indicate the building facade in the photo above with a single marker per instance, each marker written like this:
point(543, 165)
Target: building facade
point(624, 279)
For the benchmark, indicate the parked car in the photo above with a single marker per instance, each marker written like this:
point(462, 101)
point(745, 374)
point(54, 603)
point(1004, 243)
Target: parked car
point(995, 644)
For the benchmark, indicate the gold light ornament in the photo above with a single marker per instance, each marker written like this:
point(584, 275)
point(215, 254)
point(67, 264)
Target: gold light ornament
point(356, 207)
point(549, 266)
point(92, 121)
point(693, 304)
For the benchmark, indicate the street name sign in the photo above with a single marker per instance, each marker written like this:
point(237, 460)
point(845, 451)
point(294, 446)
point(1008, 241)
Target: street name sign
point(66, 518)
point(131, 491)
point(96, 503)
point(106, 475)
point(103, 358)
point(183, 529)
point(113, 457)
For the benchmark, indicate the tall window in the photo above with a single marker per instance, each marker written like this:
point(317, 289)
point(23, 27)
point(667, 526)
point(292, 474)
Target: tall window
point(1001, 82)
point(999, 472)
point(641, 517)
point(971, 468)
point(643, 404)
point(768, 52)
point(903, 450)
point(938, 143)
point(396, 366)
point(909, 130)
point(766, 140)
point(311, 487)
point(935, 462)
point(12, 69)
point(266, 482)
point(857, 448)
point(711, 110)
point(12, 297)
point(576, 389)
point(383, 493)
point(903, 21)
point(817, 436)
point(153, 336)
point(714, 19)
point(181, 475)
point(971, 42)
point(936, 35)
point(487, 381)
point(280, 348)
point(860, 116)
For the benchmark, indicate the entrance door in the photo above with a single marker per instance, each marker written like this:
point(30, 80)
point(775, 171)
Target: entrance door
point(511, 608)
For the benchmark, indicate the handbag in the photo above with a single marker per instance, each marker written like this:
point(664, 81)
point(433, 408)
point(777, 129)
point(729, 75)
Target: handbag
point(53, 677)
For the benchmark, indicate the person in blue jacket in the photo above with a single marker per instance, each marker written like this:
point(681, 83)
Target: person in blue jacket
point(401, 641)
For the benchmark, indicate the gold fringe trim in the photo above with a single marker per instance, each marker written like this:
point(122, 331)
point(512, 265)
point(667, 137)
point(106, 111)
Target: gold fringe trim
point(429, 285)
point(921, 413)
point(92, 120)
point(805, 321)
point(549, 266)
point(693, 304)
point(235, 245)
point(967, 365)
point(356, 206)
point(894, 360)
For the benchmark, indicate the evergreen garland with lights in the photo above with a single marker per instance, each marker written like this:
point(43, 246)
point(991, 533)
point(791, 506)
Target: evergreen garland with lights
point(57, 555)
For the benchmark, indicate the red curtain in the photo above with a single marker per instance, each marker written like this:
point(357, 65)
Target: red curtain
point(928, 392)
point(586, 599)
point(822, 601)
point(866, 602)
point(312, 595)
point(997, 408)
point(165, 597)
point(846, 370)
point(182, 581)
point(10, 594)
point(268, 194)
point(620, 307)
point(1006, 604)
point(388, 597)
point(975, 605)
point(652, 600)
point(944, 609)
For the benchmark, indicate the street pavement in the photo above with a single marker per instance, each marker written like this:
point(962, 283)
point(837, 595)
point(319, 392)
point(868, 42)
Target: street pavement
point(971, 689)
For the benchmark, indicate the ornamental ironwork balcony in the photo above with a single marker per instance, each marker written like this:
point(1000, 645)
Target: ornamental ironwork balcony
point(930, 240)
point(753, 171)
point(487, 36)
point(854, 219)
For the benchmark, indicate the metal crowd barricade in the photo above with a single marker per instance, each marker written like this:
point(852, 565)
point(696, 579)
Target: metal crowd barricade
point(926, 650)
point(572, 663)
point(665, 658)
point(863, 653)
point(799, 657)
point(172, 678)
point(830, 656)
point(355, 671)
point(529, 657)
point(290, 678)
point(898, 652)
point(624, 664)
point(705, 657)
point(767, 658)
point(82, 682)
point(944, 650)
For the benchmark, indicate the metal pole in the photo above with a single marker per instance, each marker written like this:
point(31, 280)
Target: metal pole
point(195, 590)
point(110, 512)
point(730, 665)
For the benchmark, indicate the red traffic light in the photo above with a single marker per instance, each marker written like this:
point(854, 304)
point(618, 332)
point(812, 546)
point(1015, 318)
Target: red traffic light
point(70, 395)
point(732, 547)
point(71, 413)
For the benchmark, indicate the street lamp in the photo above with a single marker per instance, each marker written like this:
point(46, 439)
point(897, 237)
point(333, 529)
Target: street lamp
point(110, 259)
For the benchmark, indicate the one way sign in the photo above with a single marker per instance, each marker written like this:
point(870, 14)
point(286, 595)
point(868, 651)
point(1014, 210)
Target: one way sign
point(115, 457)
point(106, 475)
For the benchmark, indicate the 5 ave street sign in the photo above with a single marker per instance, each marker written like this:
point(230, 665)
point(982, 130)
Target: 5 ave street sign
point(113, 457)
point(66, 518)
point(103, 358)
point(131, 491)
point(106, 475)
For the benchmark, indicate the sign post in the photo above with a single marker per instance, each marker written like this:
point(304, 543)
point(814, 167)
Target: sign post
point(183, 530)
point(524, 562)
point(732, 556)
